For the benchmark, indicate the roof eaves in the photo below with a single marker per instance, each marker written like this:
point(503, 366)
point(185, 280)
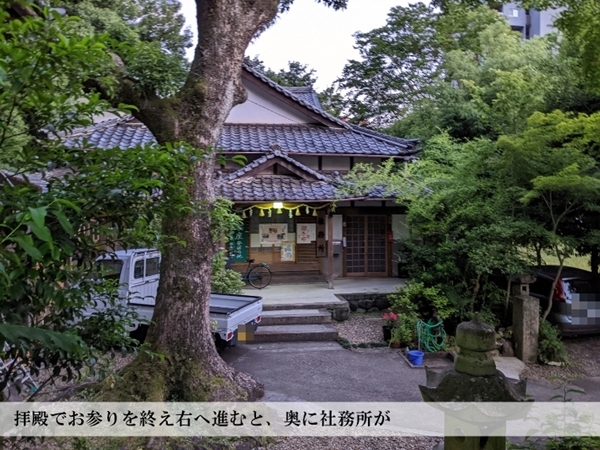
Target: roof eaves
point(409, 144)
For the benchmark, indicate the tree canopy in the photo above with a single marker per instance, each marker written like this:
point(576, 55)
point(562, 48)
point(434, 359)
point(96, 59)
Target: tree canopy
point(63, 205)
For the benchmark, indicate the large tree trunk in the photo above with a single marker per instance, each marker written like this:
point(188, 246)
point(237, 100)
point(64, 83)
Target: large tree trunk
point(192, 369)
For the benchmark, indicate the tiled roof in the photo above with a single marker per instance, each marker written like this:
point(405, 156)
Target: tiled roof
point(309, 139)
point(265, 188)
point(385, 137)
point(306, 93)
point(258, 138)
point(275, 153)
point(122, 132)
point(240, 187)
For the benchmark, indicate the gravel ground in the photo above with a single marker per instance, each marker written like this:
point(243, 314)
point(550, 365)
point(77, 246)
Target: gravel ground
point(361, 328)
point(582, 353)
point(351, 443)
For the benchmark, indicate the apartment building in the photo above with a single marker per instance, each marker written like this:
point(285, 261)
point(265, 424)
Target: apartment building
point(530, 22)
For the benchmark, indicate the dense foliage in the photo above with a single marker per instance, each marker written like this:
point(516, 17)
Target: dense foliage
point(63, 205)
point(509, 168)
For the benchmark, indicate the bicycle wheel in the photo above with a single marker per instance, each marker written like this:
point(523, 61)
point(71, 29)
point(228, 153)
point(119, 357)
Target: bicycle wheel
point(259, 277)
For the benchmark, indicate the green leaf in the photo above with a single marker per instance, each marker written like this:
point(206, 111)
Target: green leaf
point(38, 215)
point(26, 243)
point(64, 222)
point(42, 232)
point(51, 340)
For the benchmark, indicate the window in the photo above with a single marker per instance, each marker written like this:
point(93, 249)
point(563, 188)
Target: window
point(152, 266)
point(138, 269)
point(108, 270)
point(514, 13)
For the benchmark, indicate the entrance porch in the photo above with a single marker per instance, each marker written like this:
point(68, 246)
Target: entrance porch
point(318, 295)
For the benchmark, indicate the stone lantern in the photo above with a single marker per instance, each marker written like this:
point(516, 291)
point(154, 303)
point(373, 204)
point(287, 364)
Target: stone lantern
point(474, 378)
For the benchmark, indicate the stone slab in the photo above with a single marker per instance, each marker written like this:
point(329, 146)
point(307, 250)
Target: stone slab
point(295, 333)
point(510, 366)
point(295, 317)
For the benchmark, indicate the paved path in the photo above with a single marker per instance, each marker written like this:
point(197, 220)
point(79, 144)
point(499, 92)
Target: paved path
point(324, 371)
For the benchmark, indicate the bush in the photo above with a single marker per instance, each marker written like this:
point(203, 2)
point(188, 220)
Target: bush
point(407, 311)
point(550, 346)
point(426, 300)
point(225, 281)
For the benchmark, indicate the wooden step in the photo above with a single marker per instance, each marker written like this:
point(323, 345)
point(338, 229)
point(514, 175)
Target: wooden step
point(295, 317)
point(295, 333)
point(311, 277)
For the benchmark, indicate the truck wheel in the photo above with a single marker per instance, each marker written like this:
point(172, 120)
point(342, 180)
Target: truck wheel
point(220, 343)
point(139, 333)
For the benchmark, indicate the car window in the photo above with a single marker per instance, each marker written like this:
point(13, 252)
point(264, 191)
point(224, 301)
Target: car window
point(152, 266)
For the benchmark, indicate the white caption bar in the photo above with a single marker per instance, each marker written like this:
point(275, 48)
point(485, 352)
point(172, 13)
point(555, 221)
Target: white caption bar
point(300, 419)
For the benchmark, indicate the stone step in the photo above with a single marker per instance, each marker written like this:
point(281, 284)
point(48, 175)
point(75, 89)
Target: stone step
point(295, 333)
point(304, 304)
point(295, 317)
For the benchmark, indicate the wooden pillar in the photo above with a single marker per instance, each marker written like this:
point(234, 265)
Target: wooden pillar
point(330, 249)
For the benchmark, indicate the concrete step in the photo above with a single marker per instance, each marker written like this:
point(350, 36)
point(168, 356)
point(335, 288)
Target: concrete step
point(295, 333)
point(299, 303)
point(295, 317)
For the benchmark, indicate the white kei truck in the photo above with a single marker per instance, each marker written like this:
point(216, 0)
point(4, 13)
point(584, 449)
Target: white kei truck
point(138, 272)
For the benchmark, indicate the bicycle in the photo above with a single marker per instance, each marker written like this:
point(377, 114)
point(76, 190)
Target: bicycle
point(258, 275)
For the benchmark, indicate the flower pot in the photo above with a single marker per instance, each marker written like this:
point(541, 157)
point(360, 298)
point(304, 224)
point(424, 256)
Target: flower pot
point(395, 344)
point(387, 333)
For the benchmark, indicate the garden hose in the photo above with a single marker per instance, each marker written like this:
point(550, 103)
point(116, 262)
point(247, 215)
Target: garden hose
point(431, 335)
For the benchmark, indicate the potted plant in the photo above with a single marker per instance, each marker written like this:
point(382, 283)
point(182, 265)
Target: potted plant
point(396, 337)
point(390, 321)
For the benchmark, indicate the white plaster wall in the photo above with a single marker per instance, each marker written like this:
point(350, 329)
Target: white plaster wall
point(261, 107)
point(338, 227)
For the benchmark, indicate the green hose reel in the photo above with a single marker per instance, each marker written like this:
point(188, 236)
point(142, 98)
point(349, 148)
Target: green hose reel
point(431, 335)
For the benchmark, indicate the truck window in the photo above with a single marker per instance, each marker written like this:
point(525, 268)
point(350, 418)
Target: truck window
point(138, 269)
point(109, 270)
point(152, 266)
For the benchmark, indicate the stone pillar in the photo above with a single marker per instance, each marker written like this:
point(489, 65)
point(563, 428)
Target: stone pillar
point(526, 319)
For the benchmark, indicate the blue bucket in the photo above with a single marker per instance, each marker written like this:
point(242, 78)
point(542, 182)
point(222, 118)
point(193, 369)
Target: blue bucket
point(415, 357)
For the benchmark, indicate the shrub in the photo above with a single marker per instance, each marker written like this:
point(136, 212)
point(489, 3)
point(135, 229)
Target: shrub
point(426, 300)
point(407, 311)
point(550, 345)
point(225, 281)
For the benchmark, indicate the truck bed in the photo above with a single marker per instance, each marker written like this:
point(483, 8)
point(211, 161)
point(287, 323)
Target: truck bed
point(229, 304)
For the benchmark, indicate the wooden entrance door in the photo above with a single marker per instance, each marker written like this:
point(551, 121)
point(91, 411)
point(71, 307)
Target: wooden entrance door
point(366, 246)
